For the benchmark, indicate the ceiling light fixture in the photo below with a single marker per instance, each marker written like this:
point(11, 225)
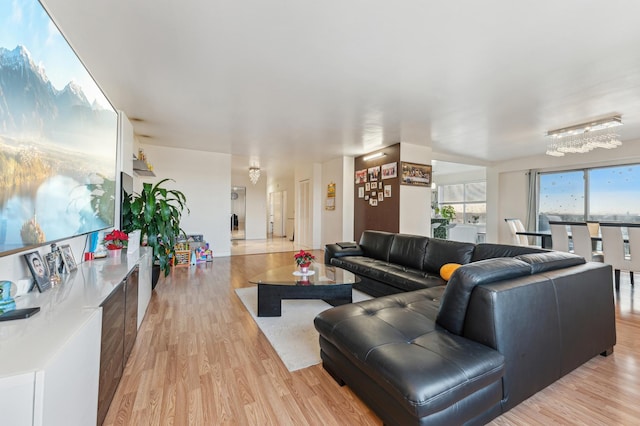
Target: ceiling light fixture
point(373, 156)
point(254, 174)
point(584, 137)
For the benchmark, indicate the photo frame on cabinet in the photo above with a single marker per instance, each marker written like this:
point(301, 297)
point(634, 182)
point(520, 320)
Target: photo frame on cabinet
point(39, 270)
point(67, 258)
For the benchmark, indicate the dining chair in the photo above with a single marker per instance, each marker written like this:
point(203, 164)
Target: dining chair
point(634, 248)
point(594, 231)
point(594, 228)
point(582, 243)
point(613, 250)
point(559, 236)
point(515, 225)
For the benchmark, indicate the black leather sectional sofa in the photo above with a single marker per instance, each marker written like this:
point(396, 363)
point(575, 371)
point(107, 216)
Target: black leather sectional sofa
point(508, 323)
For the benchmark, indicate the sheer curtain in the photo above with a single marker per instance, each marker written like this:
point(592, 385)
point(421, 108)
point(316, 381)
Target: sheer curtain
point(532, 201)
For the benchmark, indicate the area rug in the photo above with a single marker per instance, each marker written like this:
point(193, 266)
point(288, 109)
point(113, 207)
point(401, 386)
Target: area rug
point(292, 335)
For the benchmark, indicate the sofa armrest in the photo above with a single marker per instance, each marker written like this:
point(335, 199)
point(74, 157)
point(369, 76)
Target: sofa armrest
point(336, 250)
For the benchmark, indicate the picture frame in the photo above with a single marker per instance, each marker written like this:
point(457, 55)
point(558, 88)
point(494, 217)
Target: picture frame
point(367, 187)
point(374, 185)
point(361, 176)
point(374, 173)
point(68, 260)
point(387, 191)
point(416, 174)
point(390, 170)
point(361, 192)
point(39, 270)
point(380, 196)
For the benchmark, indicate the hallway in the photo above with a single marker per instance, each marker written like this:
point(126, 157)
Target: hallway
point(270, 245)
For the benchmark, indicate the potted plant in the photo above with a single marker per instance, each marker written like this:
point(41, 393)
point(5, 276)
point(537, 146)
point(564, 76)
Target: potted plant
point(156, 212)
point(448, 212)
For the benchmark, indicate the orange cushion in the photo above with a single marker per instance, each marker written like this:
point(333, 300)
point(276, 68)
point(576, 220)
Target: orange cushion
point(447, 270)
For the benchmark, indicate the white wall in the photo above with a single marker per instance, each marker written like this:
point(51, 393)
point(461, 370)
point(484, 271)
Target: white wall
point(205, 180)
point(256, 205)
point(507, 181)
point(337, 225)
point(415, 201)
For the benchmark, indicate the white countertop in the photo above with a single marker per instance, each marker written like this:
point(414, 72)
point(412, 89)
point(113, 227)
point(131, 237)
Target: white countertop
point(27, 344)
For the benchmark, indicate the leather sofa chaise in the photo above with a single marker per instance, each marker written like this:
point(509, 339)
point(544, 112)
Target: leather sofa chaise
point(508, 323)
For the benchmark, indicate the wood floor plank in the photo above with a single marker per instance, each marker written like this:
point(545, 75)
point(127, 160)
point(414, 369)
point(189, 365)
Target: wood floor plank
point(200, 359)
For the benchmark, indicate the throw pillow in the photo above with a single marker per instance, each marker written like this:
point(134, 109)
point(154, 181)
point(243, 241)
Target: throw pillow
point(447, 270)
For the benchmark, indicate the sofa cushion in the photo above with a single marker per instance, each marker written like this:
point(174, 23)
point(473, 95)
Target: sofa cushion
point(485, 251)
point(549, 261)
point(440, 252)
point(456, 296)
point(398, 276)
point(376, 244)
point(408, 250)
point(396, 341)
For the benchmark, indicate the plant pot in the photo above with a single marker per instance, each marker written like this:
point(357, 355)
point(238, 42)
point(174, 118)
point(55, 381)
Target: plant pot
point(304, 268)
point(155, 276)
point(114, 253)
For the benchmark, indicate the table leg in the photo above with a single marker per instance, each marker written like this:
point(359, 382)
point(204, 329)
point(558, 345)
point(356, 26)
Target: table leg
point(269, 302)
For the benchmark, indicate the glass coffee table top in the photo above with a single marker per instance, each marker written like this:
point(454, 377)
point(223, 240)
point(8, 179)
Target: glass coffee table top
point(322, 275)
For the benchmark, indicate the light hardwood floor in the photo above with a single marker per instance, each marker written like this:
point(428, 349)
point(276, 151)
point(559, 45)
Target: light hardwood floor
point(200, 359)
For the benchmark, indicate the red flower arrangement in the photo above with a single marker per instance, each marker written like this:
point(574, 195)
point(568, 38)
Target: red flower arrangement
point(116, 239)
point(304, 258)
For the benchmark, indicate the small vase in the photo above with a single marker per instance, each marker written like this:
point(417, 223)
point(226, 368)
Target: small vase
point(114, 253)
point(304, 268)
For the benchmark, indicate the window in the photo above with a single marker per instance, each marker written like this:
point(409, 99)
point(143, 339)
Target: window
point(602, 194)
point(469, 200)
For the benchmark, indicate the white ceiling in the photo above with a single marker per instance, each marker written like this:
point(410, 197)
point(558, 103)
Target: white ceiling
point(281, 80)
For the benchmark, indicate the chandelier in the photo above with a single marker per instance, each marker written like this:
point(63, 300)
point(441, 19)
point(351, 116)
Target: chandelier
point(254, 174)
point(584, 137)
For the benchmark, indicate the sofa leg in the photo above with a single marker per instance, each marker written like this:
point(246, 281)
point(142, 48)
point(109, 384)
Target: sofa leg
point(607, 352)
point(337, 378)
point(631, 275)
point(617, 278)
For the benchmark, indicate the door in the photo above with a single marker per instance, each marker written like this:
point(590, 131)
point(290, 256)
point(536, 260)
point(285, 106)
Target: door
point(238, 212)
point(277, 201)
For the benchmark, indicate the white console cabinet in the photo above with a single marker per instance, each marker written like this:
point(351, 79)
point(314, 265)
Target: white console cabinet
point(49, 363)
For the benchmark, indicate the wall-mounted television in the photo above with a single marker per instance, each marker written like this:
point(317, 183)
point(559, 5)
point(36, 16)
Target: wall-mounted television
point(58, 136)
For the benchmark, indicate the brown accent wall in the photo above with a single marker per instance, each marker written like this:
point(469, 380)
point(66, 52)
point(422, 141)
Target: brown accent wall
point(386, 215)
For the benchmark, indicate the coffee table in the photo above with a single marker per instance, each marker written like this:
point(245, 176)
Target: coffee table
point(326, 282)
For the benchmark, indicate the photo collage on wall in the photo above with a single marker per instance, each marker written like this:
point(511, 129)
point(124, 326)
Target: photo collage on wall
point(371, 186)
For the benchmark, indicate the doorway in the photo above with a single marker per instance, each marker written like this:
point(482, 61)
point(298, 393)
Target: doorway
point(304, 216)
point(277, 204)
point(238, 212)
